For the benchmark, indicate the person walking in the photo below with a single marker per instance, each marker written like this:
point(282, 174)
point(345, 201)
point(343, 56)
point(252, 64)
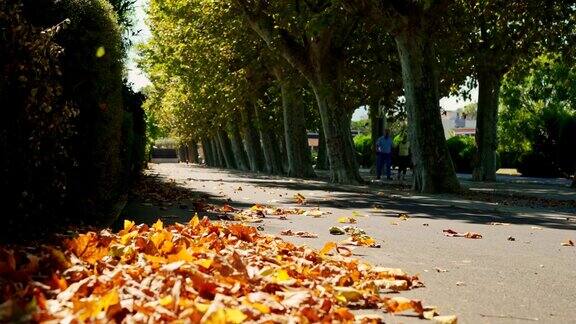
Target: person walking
point(384, 155)
point(403, 157)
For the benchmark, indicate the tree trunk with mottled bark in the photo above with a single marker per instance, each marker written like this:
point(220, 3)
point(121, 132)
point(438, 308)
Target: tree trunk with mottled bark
point(207, 153)
point(486, 126)
point(251, 139)
point(295, 135)
point(193, 152)
point(433, 168)
point(336, 127)
point(238, 148)
point(226, 149)
point(219, 157)
point(273, 163)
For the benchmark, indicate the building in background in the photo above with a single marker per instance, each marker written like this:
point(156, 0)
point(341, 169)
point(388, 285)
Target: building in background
point(458, 122)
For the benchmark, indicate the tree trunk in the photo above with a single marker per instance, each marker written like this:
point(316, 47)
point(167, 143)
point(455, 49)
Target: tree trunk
point(182, 153)
point(336, 126)
point(433, 168)
point(226, 149)
point(295, 135)
point(238, 149)
point(251, 139)
point(486, 126)
point(207, 150)
point(219, 157)
point(322, 157)
point(193, 152)
point(273, 162)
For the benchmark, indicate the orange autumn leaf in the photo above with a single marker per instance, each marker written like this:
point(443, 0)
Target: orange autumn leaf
point(300, 199)
point(327, 248)
point(204, 272)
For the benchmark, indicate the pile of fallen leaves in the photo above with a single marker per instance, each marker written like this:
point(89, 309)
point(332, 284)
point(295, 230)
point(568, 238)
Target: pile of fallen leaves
point(202, 272)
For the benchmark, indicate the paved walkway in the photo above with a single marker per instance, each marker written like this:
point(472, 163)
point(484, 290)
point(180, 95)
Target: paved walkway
point(491, 280)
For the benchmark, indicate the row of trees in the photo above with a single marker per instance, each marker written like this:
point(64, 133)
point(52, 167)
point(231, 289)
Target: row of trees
point(72, 134)
point(247, 78)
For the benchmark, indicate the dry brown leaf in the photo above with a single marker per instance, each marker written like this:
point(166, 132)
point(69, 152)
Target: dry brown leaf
point(470, 235)
point(568, 243)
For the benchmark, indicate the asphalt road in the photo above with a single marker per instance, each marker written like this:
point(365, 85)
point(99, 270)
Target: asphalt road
point(491, 280)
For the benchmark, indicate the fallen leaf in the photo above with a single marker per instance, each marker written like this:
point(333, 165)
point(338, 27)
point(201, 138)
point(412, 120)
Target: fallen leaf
point(403, 216)
point(447, 319)
point(499, 223)
point(303, 234)
point(568, 243)
point(334, 230)
point(300, 199)
point(347, 220)
point(470, 235)
point(327, 248)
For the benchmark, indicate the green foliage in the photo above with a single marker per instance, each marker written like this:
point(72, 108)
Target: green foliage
point(35, 126)
point(462, 149)
point(364, 146)
point(538, 117)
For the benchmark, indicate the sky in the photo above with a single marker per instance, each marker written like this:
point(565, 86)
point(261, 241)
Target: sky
point(135, 75)
point(139, 79)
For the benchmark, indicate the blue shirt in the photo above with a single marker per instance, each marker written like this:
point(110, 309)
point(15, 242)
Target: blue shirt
point(384, 145)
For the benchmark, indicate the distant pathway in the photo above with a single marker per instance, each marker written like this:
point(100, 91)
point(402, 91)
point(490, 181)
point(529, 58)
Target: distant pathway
point(516, 272)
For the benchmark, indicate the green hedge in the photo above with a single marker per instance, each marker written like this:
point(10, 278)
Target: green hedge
point(363, 145)
point(103, 151)
point(462, 150)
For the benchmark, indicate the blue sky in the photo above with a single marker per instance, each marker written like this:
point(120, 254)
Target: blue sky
point(139, 79)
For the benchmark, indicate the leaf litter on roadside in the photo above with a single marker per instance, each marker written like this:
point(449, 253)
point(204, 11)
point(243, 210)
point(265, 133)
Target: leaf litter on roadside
point(199, 272)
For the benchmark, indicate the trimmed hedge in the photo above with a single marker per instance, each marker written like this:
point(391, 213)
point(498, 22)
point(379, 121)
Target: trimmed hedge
point(74, 136)
point(363, 145)
point(462, 150)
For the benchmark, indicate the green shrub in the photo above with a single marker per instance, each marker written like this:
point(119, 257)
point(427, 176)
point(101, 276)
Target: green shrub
point(363, 145)
point(92, 67)
point(462, 150)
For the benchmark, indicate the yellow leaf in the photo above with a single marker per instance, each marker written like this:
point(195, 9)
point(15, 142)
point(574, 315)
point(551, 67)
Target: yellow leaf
point(205, 263)
point(158, 225)
point(346, 220)
point(158, 238)
point(282, 275)
point(165, 301)
point(128, 224)
point(124, 239)
point(348, 294)
point(167, 246)
point(194, 221)
point(261, 308)
point(327, 248)
point(182, 255)
point(234, 316)
point(155, 259)
point(202, 308)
